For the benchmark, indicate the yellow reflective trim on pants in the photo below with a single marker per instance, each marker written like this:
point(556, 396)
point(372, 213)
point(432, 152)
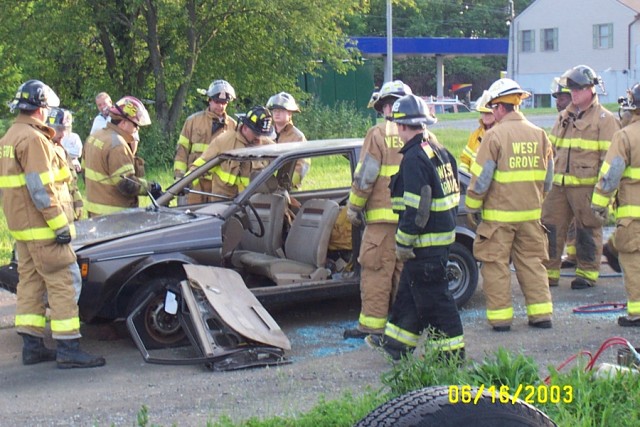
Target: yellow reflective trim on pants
point(520, 176)
point(66, 325)
point(448, 344)
point(628, 211)
point(570, 180)
point(600, 200)
point(553, 274)
point(356, 200)
point(401, 335)
point(33, 320)
point(510, 216)
point(501, 314)
point(586, 274)
point(633, 308)
point(571, 249)
point(101, 209)
point(539, 309)
point(381, 214)
point(372, 322)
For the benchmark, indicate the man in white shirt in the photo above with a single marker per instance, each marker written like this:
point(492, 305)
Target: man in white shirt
point(104, 103)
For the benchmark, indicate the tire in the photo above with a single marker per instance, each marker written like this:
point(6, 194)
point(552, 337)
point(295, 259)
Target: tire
point(462, 270)
point(157, 328)
point(430, 407)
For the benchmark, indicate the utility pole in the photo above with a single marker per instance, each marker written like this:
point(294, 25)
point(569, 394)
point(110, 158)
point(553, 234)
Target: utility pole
point(388, 65)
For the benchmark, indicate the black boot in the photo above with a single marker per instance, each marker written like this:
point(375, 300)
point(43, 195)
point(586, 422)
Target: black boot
point(70, 356)
point(34, 351)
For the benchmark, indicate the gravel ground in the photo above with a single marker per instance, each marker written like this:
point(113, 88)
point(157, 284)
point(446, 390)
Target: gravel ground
point(323, 365)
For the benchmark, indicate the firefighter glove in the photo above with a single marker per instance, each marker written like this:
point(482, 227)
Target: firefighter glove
point(353, 215)
point(155, 190)
point(404, 254)
point(602, 213)
point(63, 237)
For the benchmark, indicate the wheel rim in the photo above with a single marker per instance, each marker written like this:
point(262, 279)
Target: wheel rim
point(458, 274)
point(160, 325)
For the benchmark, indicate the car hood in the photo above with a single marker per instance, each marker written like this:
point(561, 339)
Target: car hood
point(127, 223)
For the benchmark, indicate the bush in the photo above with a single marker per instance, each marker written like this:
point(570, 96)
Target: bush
point(318, 121)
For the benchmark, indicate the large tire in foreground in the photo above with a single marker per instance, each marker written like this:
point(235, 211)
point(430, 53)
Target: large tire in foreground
point(462, 272)
point(430, 407)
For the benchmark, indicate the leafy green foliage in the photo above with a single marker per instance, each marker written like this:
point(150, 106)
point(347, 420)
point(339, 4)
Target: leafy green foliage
point(319, 121)
point(504, 368)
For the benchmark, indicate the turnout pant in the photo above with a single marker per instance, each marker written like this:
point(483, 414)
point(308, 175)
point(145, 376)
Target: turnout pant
point(424, 301)
point(561, 205)
point(379, 276)
point(526, 244)
point(627, 241)
point(47, 269)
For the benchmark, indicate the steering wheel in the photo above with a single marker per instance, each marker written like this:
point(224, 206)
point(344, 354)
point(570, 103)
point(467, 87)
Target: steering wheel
point(260, 232)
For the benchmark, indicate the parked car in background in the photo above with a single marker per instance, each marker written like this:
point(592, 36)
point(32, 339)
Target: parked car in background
point(290, 244)
point(445, 105)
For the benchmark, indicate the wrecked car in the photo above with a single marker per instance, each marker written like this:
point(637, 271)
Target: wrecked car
point(288, 243)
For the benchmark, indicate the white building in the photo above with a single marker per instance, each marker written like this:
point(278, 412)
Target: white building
point(551, 36)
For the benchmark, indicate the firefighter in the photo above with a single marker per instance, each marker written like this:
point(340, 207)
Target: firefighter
point(512, 173)
point(562, 95)
point(487, 120)
point(425, 194)
point(201, 128)
point(581, 136)
point(282, 106)
point(60, 120)
point(371, 197)
point(113, 172)
point(620, 171)
point(43, 230)
point(231, 177)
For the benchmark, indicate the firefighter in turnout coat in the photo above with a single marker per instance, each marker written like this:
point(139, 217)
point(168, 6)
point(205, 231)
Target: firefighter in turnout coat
point(621, 171)
point(371, 197)
point(512, 173)
point(425, 194)
point(231, 176)
point(42, 225)
point(581, 136)
point(113, 172)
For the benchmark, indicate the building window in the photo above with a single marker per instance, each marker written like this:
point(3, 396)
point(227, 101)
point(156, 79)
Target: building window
point(527, 41)
point(603, 36)
point(549, 39)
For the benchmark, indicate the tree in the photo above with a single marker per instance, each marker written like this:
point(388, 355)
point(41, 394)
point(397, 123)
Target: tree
point(160, 49)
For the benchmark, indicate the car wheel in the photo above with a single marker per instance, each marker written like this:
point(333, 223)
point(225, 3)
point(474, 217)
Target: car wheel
point(462, 271)
point(156, 327)
point(437, 406)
